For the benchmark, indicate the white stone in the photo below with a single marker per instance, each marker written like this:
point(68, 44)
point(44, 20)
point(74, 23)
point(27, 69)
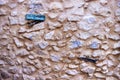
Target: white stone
point(2, 62)
point(98, 53)
point(99, 75)
point(52, 15)
point(65, 76)
point(90, 19)
point(49, 35)
point(105, 47)
point(75, 44)
point(111, 78)
point(72, 72)
point(12, 5)
point(22, 52)
point(117, 12)
point(73, 18)
point(47, 62)
point(57, 67)
point(3, 11)
point(28, 70)
point(43, 44)
point(29, 46)
point(56, 48)
point(88, 69)
point(62, 17)
point(117, 28)
point(83, 35)
point(55, 57)
point(21, 20)
point(71, 55)
point(116, 45)
point(13, 20)
point(115, 52)
point(72, 66)
point(78, 3)
point(20, 1)
point(56, 6)
point(27, 77)
point(78, 11)
point(3, 2)
point(84, 26)
point(22, 30)
point(18, 42)
point(103, 2)
point(114, 36)
point(14, 12)
point(67, 4)
point(53, 25)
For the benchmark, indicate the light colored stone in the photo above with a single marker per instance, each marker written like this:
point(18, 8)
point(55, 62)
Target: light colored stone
point(114, 36)
point(116, 45)
point(72, 66)
point(84, 26)
point(2, 62)
point(68, 4)
point(83, 35)
point(78, 3)
point(13, 20)
point(73, 18)
point(111, 78)
point(72, 72)
point(78, 11)
point(117, 28)
point(22, 52)
point(55, 57)
point(27, 77)
point(13, 69)
point(53, 25)
point(12, 5)
point(117, 12)
point(56, 6)
point(20, 1)
point(105, 46)
point(18, 42)
point(62, 17)
point(57, 67)
point(47, 62)
point(31, 35)
point(103, 2)
point(3, 2)
point(115, 52)
point(29, 46)
point(99, 75)
point(71, 55)
point(94, 45)
point(98, 53)
point(49, 35)
point(75, 44)
point(56, 48)
point(21, 20)
point(65, 76)
point(28, 70)
point(22, 30)
point(52, 15)
point(3, 11)
point(90, 19)
point(61, 43)
point(43, 44)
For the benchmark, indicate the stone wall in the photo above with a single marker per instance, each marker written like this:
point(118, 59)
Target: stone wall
point(79, 40)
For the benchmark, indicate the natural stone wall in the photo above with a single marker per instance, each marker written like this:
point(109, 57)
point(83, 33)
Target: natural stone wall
point(54, 49)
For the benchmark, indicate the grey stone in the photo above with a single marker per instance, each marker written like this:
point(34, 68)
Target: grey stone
point(13, 20)
point(72, 72)
point(4, 74)
point(28, 70)
point(55, 58)
point(73, 18)
point(116, 45)
point(18, 42)
point(13, 69)
point(56, 6)
point(3, 11)
point(94, 45)
point(27, 77)
point(76, 44)
point(43, 44)
point(3, 2)
point(83, 35)
point(12, 5)
point(49, 35)
point(117, 12)
point(2, 62)
point(22, 52)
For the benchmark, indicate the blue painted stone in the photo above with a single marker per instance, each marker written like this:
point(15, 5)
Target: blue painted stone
point(76, 44)
point(37, 17)
point(94, 45)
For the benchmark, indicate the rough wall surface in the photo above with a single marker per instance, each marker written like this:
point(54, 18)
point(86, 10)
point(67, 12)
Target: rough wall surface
point(54, 49)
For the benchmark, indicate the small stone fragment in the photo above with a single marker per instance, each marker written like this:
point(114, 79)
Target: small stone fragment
point(105, 47)
point(62, 17)
point(88, 69)
point(22, 52)
point(76, 44)
point(49, 35)
point(53, 25)
point(99, 75)
point(18, 42)
point(3, 2)
point(4, 74)
point(72, 66)
point(72, 72)
point(52, 15)
point(78, 11)
point(29, 46)
point(114, 36)
point(94, 45)
point(73, 18)
point(103, 2)
point(13, 69)
point(43, 44)
point(13, 20)
point(20, 1)
point(116, 45)
point(28, 70)
point(55, 58)
point(90, 19)
point(56, 48)
point(56, 6)
point(3, 11)
point(117, 12)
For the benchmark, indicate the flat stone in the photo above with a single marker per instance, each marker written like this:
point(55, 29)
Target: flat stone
point(62, 17)
point(13, 20)
point(68, 4)
point(13, 69)
point(76, 44)
point(55, 58)
point(52, 15)
point(83, 35)
point(18, 42)
point(28, 70)
point(114, 36)
point(21, 20)
point(3, 11)
point(22, 52)
point(115, 52)
point(116, 45)
point(2, 62)
point(70, 26)
point(117, 28)
point(72, 72)
point(88, 69)
point(43, 44)
point(22, 30)
point(94, 45)
point(117, 12)
point(84, 26)
point(73, 18)
point(56, 6)
point(98, 53)
point(29, 46)
point(12, 5)
point(27, 77)
point(20, 1)
point(57, 67)
point(54, 25)
point(72, 66)
point(78, 3)
point(65, 76)
point(14, 12)
point(105, 47)
point(3, 2)
point(49, 35)
point(78, 11)
point(99, 75)
point(56, 48)
point(90, 19)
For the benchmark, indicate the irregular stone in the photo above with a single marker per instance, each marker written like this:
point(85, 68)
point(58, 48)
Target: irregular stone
point(2, 62)
point(21, 20)
point(3, 11)
point(4, 74)
point(70, 26)
point(31, 35)
point(29, 46)
point(31, 57)
point(72, 55)
point(58, 35)
point(3, 2)
point(73, 18)
point(114, 36)
point(13, 69)
point(20, 1)
point(14, 12)
point(28, 70)
point(75, 44)
point(88, 69)
point(43, 44)
point(13, 20)
point(12, 4)
point(22, 52)
point(115, 52)
point(84, 26)
point(90, 19)
point(49, 35)
point(83, 35)
point(47, 62)
point(117, 28)
point(56, 48)
point(99, 75)
point(27, 77)
point(18, 42)
point(68, 4)
point(56, 6)
point(98, 53)
point(103, 2)
point(109, 22)
point(55, 58)
point(47, 70)
point(22, 30)
point(111, 78)
point(72, 72)
point(105, 47)
point(53, 25)
point(117, 12)
point(65, 76)
point(61, 43)
point(78, 11)
point(78, 3)
point(72, 66)
point(116, 45)
point(57, 67)
point(94, 45)
point(62, 17)
point(52, 15)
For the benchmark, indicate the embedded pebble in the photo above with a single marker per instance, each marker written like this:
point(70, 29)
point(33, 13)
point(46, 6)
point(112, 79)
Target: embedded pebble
point(116, 45)
point(99, 75)
point(3, 2)
point(22, 52)
point(43, 44)
point(18, 42)
point(13, 20)
point(117, 12)
point(56, 6)
point(72, 72)
point(94, 45)
point(3, 11)
point(55, 58)
point(49, 35)
point(76, 44)
point(88, 69)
